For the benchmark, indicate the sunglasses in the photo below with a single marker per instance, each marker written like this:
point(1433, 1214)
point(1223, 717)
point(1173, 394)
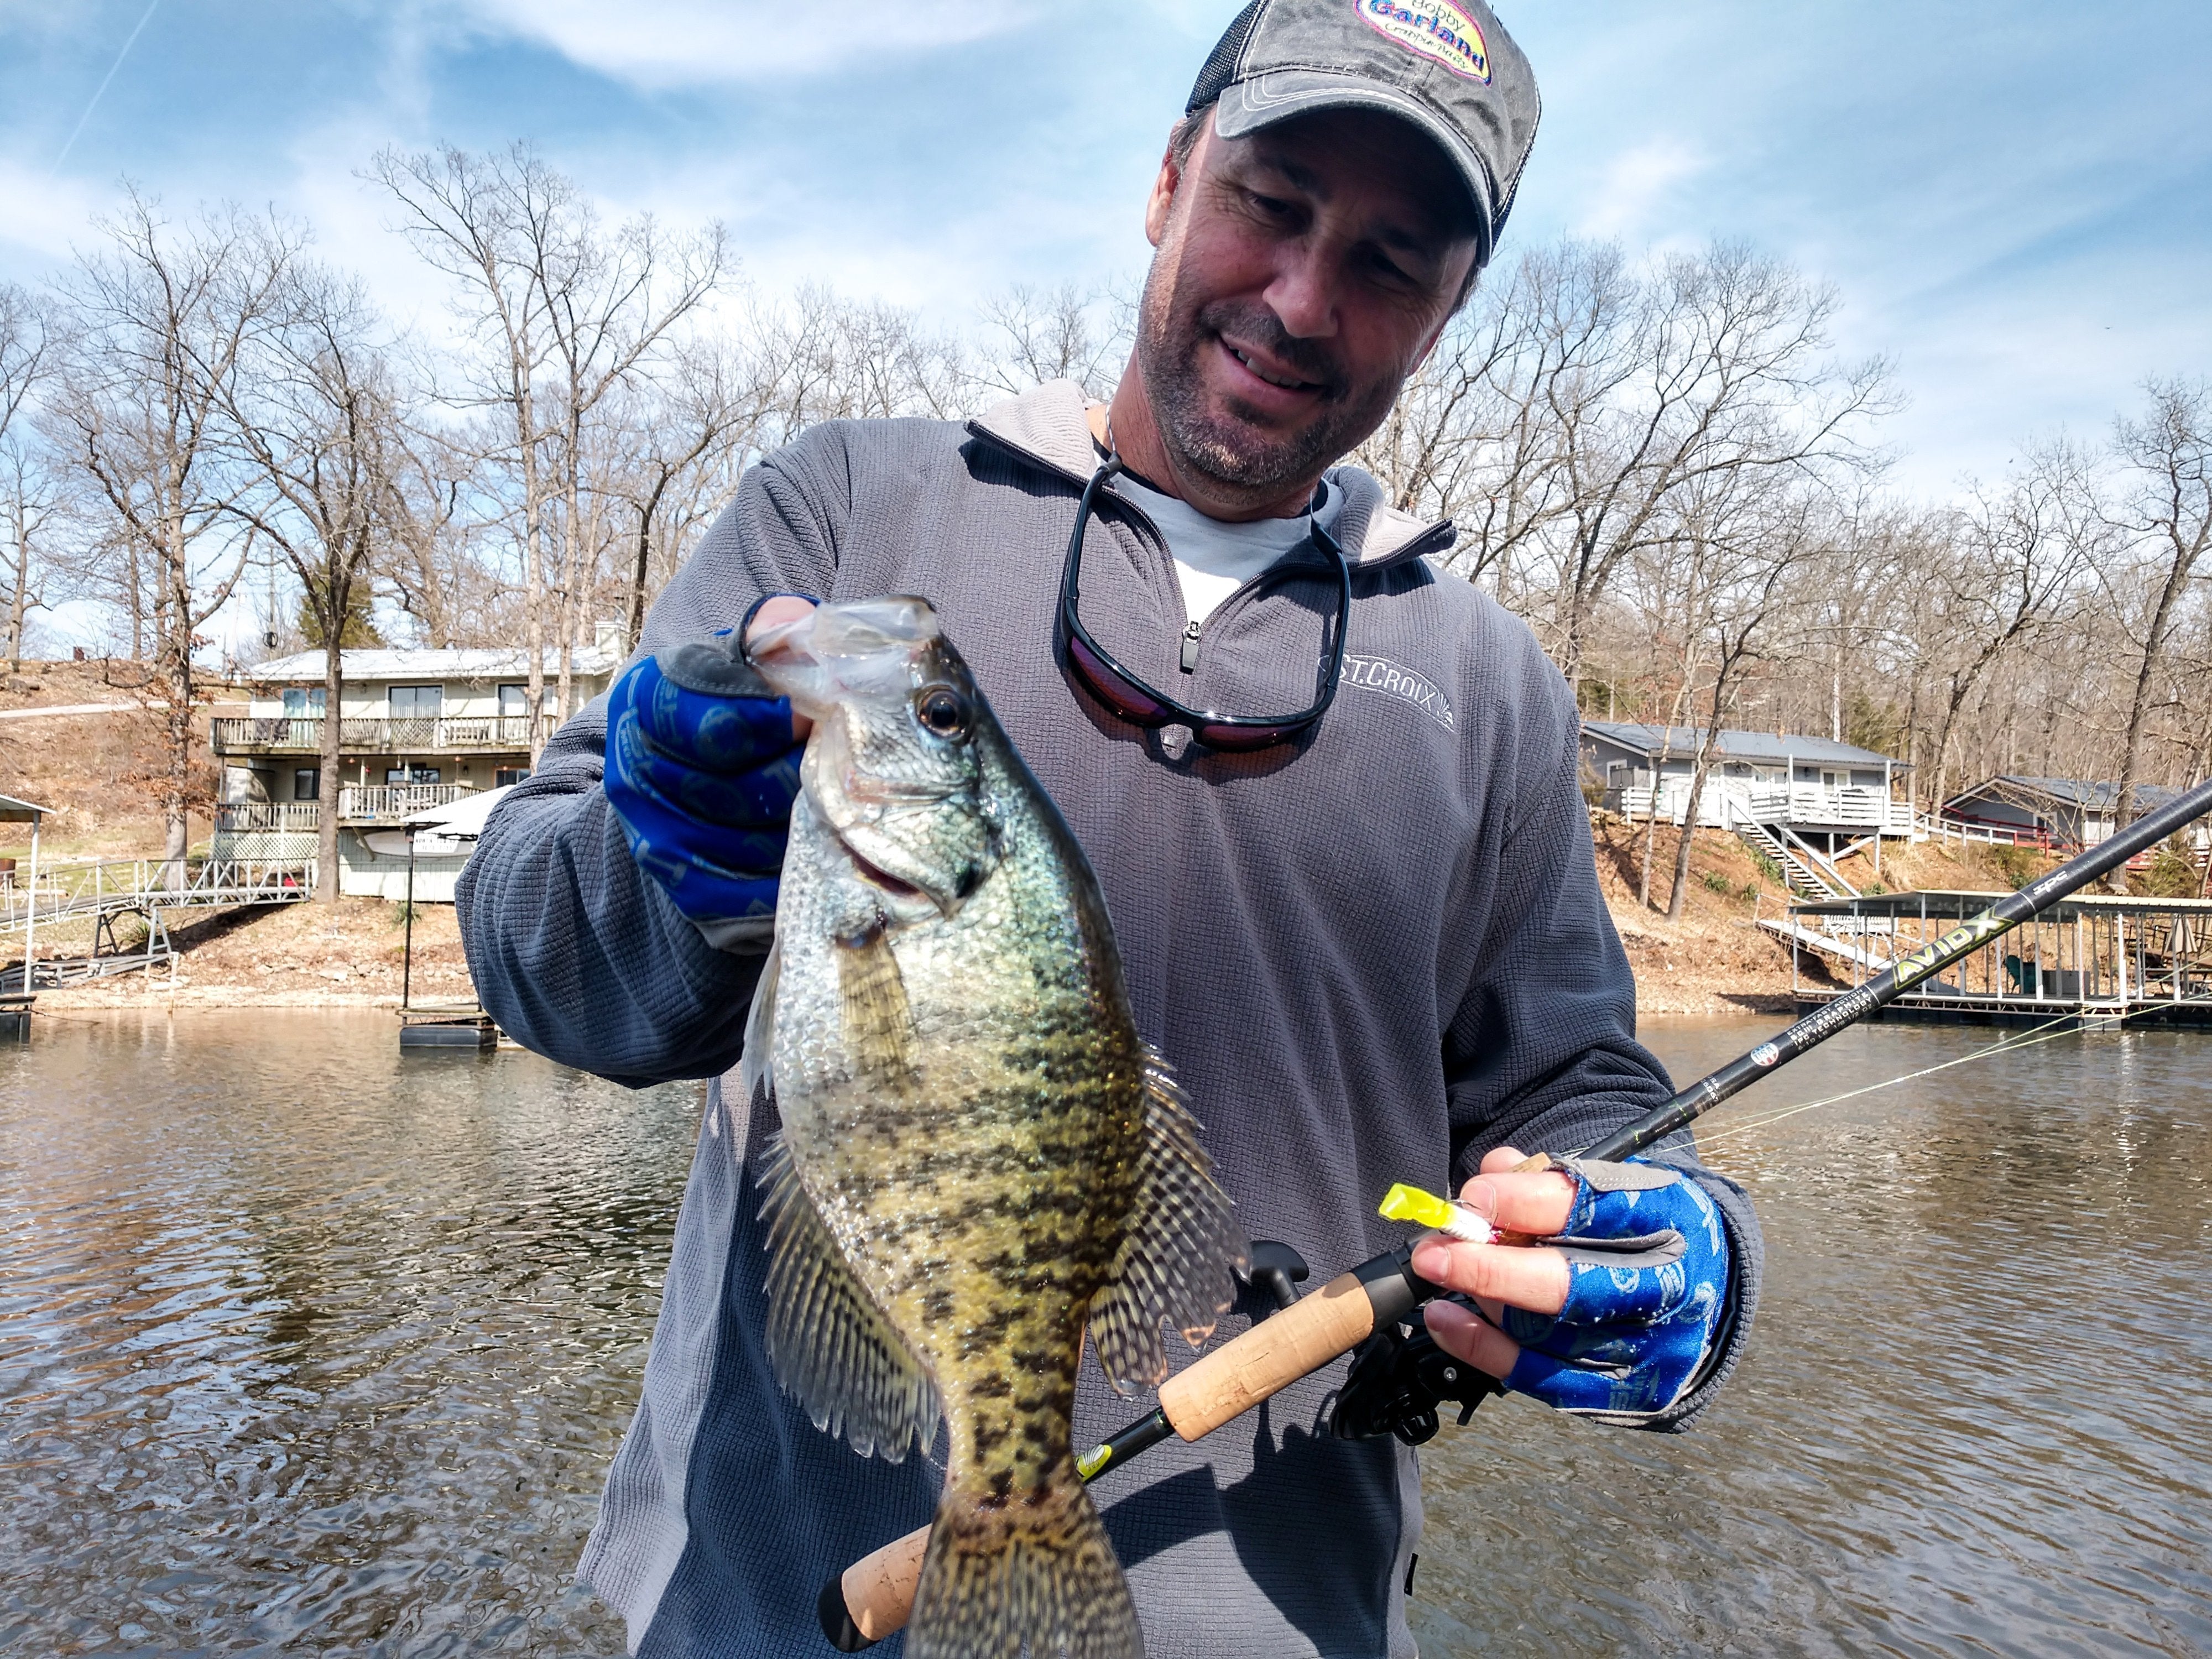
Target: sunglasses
point(1144, 705)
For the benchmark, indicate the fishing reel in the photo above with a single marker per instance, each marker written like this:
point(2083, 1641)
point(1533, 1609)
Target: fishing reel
point(1399, 1378)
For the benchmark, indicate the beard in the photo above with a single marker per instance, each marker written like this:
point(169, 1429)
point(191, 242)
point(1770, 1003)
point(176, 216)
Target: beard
point(1232, 446)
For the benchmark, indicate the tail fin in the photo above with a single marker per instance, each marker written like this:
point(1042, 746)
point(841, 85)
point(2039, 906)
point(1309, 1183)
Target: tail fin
point(1035, 1568)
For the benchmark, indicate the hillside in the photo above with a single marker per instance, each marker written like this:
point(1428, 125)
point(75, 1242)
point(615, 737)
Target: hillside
point(1716, 959)
point(98, 771)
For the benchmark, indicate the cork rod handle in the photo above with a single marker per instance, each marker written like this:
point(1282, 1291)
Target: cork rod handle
point(879, 1589)
point(1268, 1357)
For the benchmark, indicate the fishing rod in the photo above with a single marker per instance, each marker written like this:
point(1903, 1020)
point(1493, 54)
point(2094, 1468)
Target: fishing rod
point(1404, 1381)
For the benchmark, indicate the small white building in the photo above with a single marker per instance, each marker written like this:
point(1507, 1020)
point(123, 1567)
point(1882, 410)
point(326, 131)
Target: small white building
point(1813, 786)
point(417, 729)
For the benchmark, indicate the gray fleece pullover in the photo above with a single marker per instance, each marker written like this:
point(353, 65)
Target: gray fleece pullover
point(1371, 957)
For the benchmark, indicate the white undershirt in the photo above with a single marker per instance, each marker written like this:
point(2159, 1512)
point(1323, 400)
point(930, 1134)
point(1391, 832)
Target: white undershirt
point(1214, 558)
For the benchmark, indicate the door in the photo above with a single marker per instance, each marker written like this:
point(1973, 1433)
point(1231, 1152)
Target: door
point(415, 715)
point(514, 715)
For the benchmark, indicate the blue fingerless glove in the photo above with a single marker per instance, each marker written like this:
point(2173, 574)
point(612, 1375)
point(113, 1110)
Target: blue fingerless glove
point(1649, 1259)
point(701, 771)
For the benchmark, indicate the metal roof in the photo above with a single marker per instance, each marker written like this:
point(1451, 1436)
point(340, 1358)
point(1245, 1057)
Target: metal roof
point(20, 812)
point(1960, 905)
point(456, 663)
point(1730, 744)
point(2017, 789)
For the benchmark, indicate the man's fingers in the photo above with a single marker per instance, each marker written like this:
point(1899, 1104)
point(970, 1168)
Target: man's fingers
point(1536, 1202)
point(1533, 1279)
point(1459, 1333)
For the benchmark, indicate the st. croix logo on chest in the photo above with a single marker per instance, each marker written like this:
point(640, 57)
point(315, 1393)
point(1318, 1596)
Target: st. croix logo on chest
point(1383, 677)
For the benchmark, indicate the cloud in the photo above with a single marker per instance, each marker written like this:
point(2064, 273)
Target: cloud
point(1632, 190)
point(660, 43)
point(46, 216)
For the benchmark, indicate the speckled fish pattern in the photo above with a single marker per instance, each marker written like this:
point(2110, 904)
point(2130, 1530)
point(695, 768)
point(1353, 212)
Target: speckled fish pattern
point(979, 1158)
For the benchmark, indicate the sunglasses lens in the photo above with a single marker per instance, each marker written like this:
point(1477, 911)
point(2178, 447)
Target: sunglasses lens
point(1241, 739)
point(1119, 693)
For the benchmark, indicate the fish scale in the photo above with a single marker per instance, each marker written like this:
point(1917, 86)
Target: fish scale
point(979, 1158)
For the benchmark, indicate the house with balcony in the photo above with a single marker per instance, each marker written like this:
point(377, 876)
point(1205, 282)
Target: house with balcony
point(2067, 813)
point(1813, 788)
point(417, 729)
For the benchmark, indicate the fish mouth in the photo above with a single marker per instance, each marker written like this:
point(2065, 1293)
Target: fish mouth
point(876, 876)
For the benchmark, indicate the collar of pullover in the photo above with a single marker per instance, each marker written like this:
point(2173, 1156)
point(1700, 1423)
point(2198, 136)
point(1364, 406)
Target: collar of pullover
point(1046, 426)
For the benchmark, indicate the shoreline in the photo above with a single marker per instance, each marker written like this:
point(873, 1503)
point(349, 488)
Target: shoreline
point(1713, 961)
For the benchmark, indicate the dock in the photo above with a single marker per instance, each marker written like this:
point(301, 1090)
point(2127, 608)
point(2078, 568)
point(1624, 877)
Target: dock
point(2094, 960)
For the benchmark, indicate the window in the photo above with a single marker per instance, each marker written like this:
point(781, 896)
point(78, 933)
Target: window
point(303, 702)
point(507, 774)
point(416, 702)
point(1835, 779)
point(413, 775)
point(1769, 774)
point(514, 701)
point(306, 783)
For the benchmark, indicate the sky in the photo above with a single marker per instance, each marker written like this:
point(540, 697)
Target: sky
point(2013, 200)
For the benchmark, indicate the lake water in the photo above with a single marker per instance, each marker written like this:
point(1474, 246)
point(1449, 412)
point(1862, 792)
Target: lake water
point(308, 1349)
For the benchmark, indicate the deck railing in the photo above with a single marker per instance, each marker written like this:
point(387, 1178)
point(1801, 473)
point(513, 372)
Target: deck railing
point(1726, 798)
point(441, 734)
point(264, 818)
point(385, 803)
point(83, 890)
point(358, 803)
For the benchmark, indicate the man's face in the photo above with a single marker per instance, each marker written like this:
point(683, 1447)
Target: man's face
point(1302, 274)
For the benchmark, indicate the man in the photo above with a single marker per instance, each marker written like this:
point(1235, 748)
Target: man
point(1359, 914)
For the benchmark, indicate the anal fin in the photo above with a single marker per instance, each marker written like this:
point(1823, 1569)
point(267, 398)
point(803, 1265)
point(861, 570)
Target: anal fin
point(1175, 1264)
point(832, 1347)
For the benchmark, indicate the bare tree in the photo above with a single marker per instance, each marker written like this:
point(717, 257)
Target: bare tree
point(439, 511)
point(682, 442)
point(561, 312)
point(2168, 454)
point(1033, 338)
point(2016, 566)
point(1481, 434)
point(1745, 535)
point(316, 418)
point(163, 321)
point(28, 490)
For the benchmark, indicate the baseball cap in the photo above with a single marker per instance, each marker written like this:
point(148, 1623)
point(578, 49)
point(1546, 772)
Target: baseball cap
point(1448, 66)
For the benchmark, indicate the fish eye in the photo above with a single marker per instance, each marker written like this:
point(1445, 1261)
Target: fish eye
point(941, 710)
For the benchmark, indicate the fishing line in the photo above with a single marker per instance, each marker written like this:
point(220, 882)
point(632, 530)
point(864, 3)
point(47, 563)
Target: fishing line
point(2027, 1039)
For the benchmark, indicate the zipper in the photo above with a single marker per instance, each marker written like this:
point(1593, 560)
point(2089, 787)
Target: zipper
point(1190, 646)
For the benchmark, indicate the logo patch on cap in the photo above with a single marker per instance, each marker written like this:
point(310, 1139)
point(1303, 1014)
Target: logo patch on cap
point(1437, 29)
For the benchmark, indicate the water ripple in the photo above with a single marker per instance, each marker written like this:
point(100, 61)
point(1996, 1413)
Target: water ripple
point(303, 1349)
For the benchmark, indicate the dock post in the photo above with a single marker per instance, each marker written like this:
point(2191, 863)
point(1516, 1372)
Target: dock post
point(407, 953)
point(31, 920)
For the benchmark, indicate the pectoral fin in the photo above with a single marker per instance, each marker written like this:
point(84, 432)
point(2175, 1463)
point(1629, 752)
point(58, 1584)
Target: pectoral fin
point(1182, 1244)
point(831, 1346)
point(872, 1001)
point(753, 1067)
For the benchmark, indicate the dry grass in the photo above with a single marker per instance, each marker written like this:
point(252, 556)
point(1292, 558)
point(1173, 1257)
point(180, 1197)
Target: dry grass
point(99, 772)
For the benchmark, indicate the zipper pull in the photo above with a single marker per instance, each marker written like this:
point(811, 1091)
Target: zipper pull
point(1190, 649)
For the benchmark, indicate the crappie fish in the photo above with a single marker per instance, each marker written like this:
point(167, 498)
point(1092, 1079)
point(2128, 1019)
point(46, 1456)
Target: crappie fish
point(980, 1157)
